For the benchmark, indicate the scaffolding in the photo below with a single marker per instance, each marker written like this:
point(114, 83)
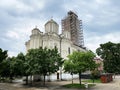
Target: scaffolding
point(72, 24)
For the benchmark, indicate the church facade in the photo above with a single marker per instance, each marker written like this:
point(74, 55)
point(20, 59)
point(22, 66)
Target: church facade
point(67, 42)
point(52, 38)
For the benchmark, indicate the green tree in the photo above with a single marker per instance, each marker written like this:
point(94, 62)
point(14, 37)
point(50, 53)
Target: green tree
point(69, 67)
point(5, 69)
point(13, 67)
point(79, 62)
point(19, 62)
point(9, 68)
point(43, 61)
point(95, 74)
point(110, 53)
point(3, 56)
point(31, 63)
point(52, 61)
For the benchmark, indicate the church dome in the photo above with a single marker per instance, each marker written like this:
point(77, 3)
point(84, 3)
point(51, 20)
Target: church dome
point(35, 31)
point(51, 26)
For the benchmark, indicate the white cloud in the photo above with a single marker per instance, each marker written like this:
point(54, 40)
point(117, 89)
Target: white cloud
point(21, 16)
point(102, 2)
point(88, 18)
point(94, 41)
point(99, 12)
point(7, 2)
point(3, 39)
point(19, 33)
point(13, 35)
point(38, 4)
point(12, 53)
point(21, 7)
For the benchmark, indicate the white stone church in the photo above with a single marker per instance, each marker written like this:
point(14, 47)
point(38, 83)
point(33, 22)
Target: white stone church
point(52, 38)
point(66, 42)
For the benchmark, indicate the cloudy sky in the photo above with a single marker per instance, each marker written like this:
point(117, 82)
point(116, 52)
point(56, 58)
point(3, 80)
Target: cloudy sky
point(101, 20)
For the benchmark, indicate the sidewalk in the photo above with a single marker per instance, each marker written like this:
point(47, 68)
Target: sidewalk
point(114, 85)
point(56, 85)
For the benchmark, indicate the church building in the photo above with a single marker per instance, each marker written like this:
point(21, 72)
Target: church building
point(52, 38)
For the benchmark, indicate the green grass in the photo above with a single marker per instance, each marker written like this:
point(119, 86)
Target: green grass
point(91, 81)
point(77, 85)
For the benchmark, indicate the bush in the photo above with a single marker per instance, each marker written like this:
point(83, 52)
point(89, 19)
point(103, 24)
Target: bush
point(95, 74)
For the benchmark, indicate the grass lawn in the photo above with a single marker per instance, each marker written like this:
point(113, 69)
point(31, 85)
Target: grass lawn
point(77, 85)
point(91, 81)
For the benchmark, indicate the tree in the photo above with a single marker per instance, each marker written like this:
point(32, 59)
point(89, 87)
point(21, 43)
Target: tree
point(69, 67)
point(5, 69)
point(31, 63)
point(52, 61)
point(20, 61)
point(110, 53)
point(43, 61)
point(3, 56)
point(9, 68)
point(12, 67)
point(95, 74)
point(79, 62)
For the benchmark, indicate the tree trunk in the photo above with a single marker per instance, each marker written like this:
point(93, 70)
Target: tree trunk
point(44, 79)
point(114, 75)
point(26, 80)
point(31, 79)
point(11, 77)
point(0, 78)
point(72, 78)
point(80, 77)
point(49, 77)
point(92, 77)
point(61, 73)
point(93, 80)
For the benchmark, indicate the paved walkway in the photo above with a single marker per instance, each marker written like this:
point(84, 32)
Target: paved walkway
point(115, 85)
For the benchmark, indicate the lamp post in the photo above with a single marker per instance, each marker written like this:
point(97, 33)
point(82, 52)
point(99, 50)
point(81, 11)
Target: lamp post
point(61, 37)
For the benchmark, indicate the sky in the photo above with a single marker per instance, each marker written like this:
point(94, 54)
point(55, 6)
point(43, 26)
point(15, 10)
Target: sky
point(100, 18)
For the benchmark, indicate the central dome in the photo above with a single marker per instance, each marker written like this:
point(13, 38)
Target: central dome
point(51, 26)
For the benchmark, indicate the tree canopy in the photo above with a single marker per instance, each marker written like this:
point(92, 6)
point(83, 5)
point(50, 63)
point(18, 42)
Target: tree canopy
point(43, 61)
point(79, 62)
point(3, 56)
point(110, 53)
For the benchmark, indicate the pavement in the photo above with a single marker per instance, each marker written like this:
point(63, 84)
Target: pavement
point(56, 85)
point(114, 85)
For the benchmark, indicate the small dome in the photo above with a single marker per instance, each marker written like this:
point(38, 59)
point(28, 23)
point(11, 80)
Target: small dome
point(51, 21)
point(35, 30)
point(51, 26)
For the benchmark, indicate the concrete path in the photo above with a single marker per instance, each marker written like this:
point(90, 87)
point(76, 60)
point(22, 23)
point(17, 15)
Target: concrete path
point(56, 85)
point(114, 85)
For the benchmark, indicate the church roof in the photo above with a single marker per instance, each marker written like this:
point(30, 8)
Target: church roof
point(35, 28)
point(51, 21)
